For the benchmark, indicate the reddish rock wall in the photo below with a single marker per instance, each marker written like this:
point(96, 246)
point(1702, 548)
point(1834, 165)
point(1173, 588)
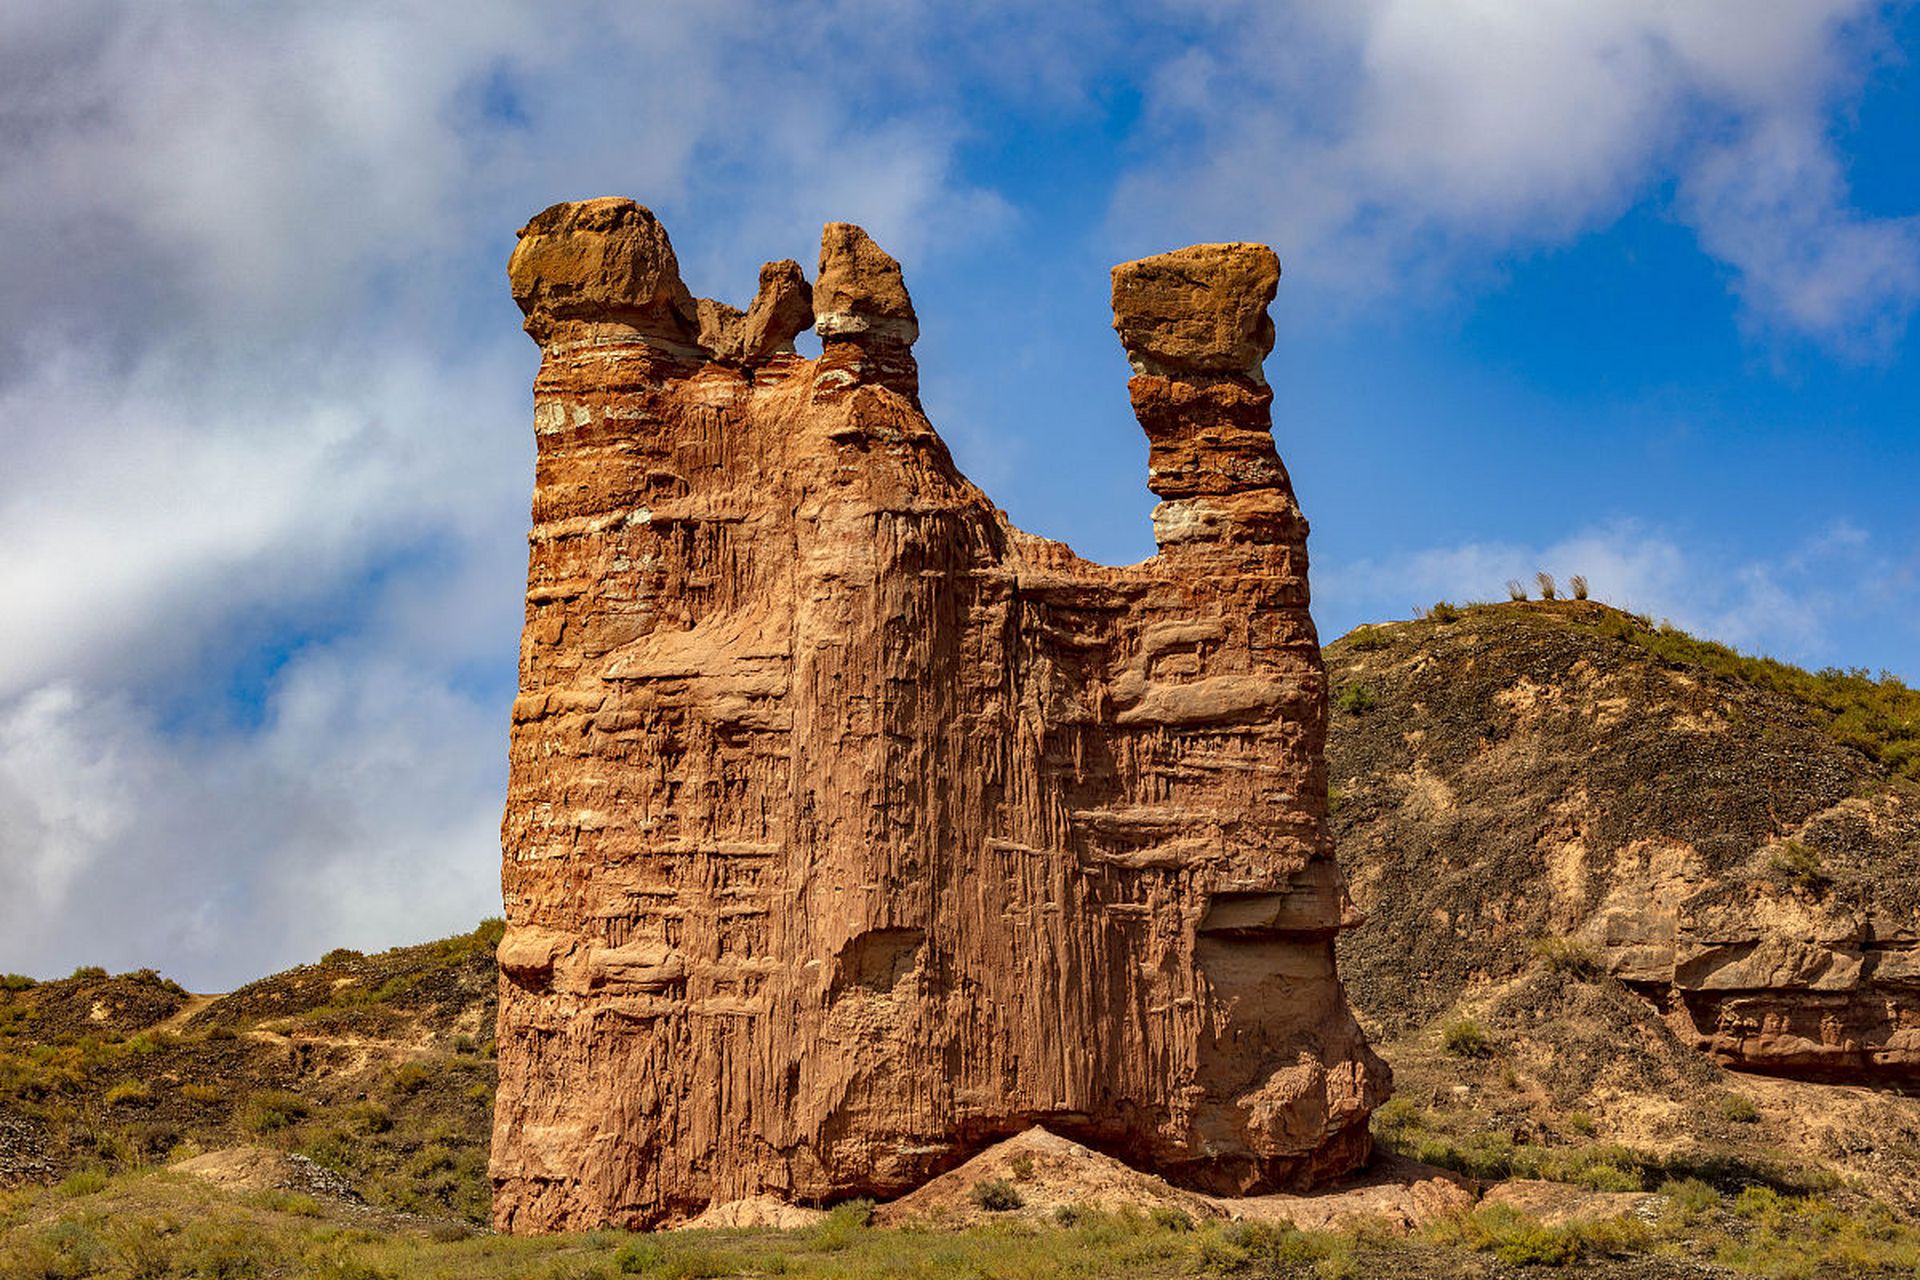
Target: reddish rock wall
point(850, 828)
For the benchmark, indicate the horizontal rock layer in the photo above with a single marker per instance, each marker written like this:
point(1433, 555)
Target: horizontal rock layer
point(850, 828)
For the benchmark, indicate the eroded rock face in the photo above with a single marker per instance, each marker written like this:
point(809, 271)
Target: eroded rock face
point(851, 829)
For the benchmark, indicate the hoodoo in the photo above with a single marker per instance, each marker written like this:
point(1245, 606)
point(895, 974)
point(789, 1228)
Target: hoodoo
point(850, 828)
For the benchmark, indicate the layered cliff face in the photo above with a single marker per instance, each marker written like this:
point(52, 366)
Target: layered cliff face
point(1559, 776)
point(849, 827)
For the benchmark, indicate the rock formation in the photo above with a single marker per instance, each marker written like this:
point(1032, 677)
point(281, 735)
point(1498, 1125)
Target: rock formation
point(851, 829)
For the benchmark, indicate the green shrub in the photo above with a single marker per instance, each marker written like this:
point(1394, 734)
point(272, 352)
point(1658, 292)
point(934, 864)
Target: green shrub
point(1355, 699)
point(1522, 1240)
point(843, 1226)
point(89, 972)
point(271, 1110)
point(408, 1077)
point(1067, 1215)
point(995, 1195)
point(202, 1093)
point(278, 1200)
point(1443, 612)
point(342, 955)
point(1739, 1108)
point(1689, 1200)
point(1580, 1123)
point(1797, 865)
point(1567, 955)
point(1170, 1217)
point(128, 1091)
point(16, 982)
point(1367, 639)
point(1465, 1038)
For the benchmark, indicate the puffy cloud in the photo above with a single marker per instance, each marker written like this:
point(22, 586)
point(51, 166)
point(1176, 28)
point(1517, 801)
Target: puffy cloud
point(1390, 143)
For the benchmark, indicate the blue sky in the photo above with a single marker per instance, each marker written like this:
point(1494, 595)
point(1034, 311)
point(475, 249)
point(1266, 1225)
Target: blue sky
point(1613, 287)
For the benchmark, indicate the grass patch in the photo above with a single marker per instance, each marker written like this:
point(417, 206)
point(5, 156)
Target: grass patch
point(132, 1092)
point(1517, 1238)
point(1795, 864)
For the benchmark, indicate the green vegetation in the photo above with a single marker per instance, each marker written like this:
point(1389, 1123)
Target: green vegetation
point(996, 1195)
point(1739, 1108)
point(1465, 1038)
point(1355, 699)
point(1568, 955)
point(271, 1110)
point(87, 972)
point(15, 982)
point(1515, 1237)
point(1879, 717)
point(1470, 1145)
point(1443, 612)
point(1798, 865)
point(1367, 639)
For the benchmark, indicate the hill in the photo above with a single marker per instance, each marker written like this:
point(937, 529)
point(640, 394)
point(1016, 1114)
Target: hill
point(377, 1068)
point(1604, 862)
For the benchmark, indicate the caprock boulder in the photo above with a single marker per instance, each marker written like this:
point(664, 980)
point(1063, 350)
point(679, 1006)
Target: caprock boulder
point(851, 829)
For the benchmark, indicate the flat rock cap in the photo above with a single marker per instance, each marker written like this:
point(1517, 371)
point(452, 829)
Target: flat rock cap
point(1198, 310)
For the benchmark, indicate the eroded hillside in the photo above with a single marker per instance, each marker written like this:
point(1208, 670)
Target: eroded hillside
point(1612, 861)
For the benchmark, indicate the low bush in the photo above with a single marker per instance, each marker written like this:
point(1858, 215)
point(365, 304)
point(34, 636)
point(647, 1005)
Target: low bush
point(1355, 699)
point(271, 1110)
point(1568, 955)
point(995, 1195)
point(1465, 1038)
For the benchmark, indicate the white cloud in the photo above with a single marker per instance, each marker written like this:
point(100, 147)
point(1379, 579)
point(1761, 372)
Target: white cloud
point(1387, 145)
